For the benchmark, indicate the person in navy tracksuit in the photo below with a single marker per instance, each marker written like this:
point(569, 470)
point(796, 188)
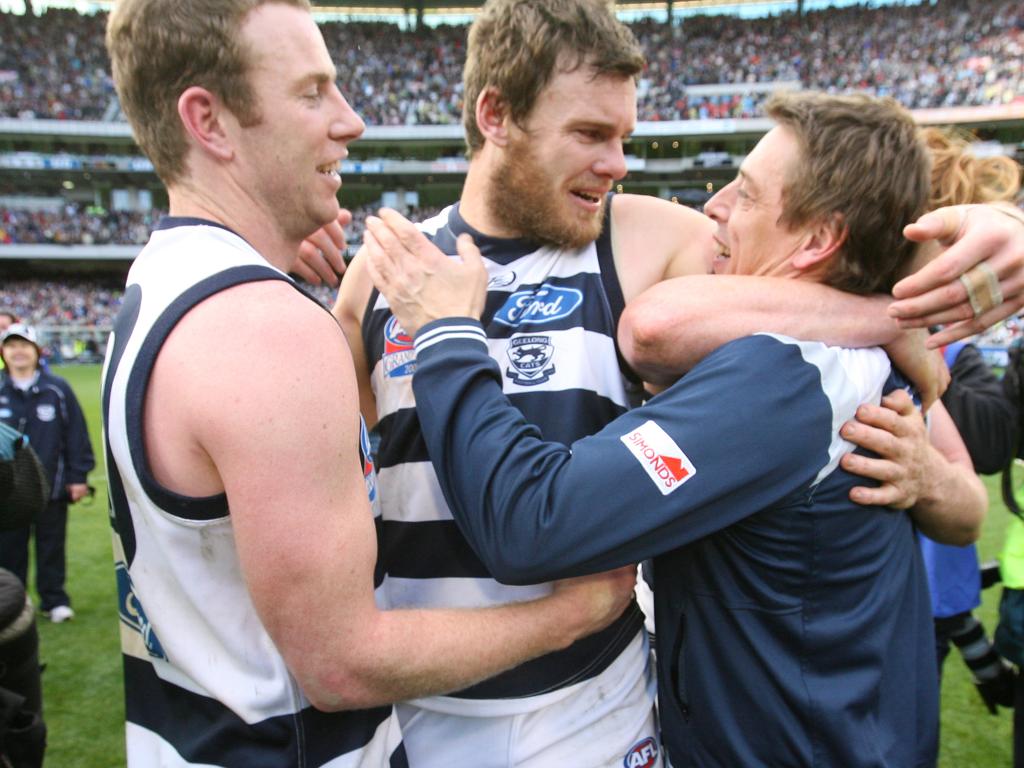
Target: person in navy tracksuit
point(43, 406)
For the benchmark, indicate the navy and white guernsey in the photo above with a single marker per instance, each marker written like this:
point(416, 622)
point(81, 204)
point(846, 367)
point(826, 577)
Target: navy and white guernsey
point(793, 626)
point(550, 318)
point(204, 683)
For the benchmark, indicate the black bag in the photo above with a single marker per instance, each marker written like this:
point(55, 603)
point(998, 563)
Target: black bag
point(24, 487)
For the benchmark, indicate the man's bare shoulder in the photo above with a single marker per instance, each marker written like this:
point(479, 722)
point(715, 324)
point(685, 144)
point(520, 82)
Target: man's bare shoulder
point(653, 239)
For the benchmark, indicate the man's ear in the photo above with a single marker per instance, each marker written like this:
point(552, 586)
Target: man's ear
point(202, 114)
point(492, 116)
point(822, 242)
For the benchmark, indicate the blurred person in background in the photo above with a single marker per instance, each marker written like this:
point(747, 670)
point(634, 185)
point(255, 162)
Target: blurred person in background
point(44, 407)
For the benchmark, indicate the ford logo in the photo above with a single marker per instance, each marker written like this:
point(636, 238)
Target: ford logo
point(539, 305)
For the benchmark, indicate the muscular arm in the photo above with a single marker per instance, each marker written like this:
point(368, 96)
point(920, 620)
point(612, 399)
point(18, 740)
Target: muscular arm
point(672, 326)
point(352, 299)
point(669, 325)
point(282, 445)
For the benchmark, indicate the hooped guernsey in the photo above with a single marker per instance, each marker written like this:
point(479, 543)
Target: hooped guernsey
point(204, 683)
point(551, 316)
point(793, 626)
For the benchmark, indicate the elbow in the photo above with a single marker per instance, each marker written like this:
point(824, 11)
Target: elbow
point(641, 335)
point(338, 686)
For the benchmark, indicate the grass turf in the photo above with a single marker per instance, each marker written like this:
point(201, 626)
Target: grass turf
point(83, 698)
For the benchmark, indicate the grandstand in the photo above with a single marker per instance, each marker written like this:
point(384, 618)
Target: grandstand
point(77, 197)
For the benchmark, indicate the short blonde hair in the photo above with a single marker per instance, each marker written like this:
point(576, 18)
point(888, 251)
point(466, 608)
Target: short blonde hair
point(159, 48)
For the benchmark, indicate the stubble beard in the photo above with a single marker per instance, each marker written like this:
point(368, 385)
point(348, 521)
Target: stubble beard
point(521, 199)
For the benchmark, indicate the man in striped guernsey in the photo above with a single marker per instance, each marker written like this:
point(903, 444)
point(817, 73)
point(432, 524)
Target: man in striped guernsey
point(550, 98)
point(242, 505)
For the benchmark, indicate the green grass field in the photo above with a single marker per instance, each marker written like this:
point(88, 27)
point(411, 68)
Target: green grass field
point(82, 682)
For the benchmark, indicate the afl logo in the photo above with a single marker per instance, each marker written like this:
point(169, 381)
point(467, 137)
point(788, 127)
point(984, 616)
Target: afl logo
point(539, 305)
point(643, 754)
point(502, 281)
point(399, 356)
point(528, 356)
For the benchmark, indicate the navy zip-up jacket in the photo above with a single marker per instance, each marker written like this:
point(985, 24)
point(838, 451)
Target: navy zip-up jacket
point(793, 626)
point(49, 413)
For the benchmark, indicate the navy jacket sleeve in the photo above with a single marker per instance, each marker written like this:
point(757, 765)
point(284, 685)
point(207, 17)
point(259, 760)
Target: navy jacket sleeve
point(78, 456)
point(748, 428)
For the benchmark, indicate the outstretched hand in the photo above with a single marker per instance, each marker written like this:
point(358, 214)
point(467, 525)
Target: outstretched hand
point(936, 295)
point(420, 282)
point(322, 254)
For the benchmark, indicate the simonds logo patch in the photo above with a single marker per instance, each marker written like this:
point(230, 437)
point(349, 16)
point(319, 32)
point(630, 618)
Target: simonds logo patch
point(662, 460)
point(643, 754)
point(539, 305)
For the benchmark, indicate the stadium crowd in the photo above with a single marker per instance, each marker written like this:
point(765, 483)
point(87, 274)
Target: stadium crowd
point(79, 225)
point(95, 302)
point(952, 53)
point(74, 224)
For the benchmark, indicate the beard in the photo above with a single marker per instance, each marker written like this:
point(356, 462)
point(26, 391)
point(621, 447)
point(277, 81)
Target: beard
point(523, 198)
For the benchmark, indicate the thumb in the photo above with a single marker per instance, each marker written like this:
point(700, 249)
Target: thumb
point(344, 217)
point(468, 251)
point(942, 224)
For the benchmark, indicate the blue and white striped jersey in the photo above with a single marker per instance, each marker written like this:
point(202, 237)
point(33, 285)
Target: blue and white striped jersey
point(550, 320)
point(204, 683)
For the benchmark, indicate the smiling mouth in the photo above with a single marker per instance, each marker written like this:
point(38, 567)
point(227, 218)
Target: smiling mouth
point(330, 169)
point(722, 250)
point(587, 196)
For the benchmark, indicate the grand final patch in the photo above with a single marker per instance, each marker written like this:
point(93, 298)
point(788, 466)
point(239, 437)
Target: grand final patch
point(529, 357)
point(662, 460)
point(399, 356)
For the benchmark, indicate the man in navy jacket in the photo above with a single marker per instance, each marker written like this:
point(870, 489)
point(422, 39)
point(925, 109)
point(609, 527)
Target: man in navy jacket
point(793, 625)
point(43, 406)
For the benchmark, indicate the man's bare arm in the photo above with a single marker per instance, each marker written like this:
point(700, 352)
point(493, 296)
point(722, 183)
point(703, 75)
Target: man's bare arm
point(672, 326)
point(284, 447)
point(352, 300)
point(926, 471)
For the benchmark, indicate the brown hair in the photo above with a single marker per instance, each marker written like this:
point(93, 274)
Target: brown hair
point(159, 48)
point(861, 159)
point(517, 46)
point(959, 177)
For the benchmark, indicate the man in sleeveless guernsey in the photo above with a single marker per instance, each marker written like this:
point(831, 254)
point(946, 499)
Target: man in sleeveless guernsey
point(793, 625)
point(241, 486)
point(549, 99)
